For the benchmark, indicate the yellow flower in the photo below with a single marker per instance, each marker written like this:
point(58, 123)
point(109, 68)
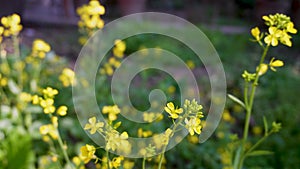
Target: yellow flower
point(87, 153)
point(119, 48)
point(50, 92)
point(35, 99)
point(285, 39)
point(1, 32)
point(142, 133)
point(148, 117)
point(116, 161)
point(62, 110)
point(226, 116)
point(112, 112)
point(49, 129)
point(290, 28)
point(263, 69)
point(76, 160)
point(93, 125)
point(190, 64)
point(256, 33)
point(257, 130)
point(193, 125)
point(67, 77)
point(275, 63)
point(47, 104)
point(11, 24)
point(171, 89)
point(25, 97)
point(193, 139)
point(54, 121)
point(273, 36)
point(114, 140)
point(173, 112)
point(40, 48)
point(128, 164)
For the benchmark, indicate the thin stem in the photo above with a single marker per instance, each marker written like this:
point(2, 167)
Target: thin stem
point(62, 147)
point(18, 57)
point(250, 105)
point(144, 163)
point(256, 144)
point(173, 131)
point(246, 93)
point(107, 155)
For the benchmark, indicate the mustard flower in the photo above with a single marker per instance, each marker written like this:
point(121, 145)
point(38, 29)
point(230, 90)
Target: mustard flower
point(50, 92)
point(93, 125)
point(1, 32)
point(275, 63)
point(49, 129)
point(273, 36)
point(193, 125)
point(263, 69)
point(112, 112)
point(128, 164)
point(119, 48)
point(115, 140)
point(116, 161)
point(144, 133)
point(285, 39)
point(87, 153)
point(40, 48)
point(290, 28)
point(62, 110)
point(54, 120)
point(172, 111)
point(25, 97)
point(279, 27)
point(35, 99)
point(12, 25)
point(47, 105)
point(3, 80)
point(67, 77)
point(256, 33)
point(149, 117)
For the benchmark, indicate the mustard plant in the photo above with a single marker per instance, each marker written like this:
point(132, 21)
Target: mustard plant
point(279, 29)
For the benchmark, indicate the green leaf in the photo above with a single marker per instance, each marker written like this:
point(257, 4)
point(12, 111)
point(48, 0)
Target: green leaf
point(235, 99)
point(237, 157)
point(260, 153)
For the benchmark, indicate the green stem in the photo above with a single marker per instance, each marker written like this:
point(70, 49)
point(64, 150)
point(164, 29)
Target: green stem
point(62, 147)
point(107, 155)
point(144, 163)
point(250, 105)
point(174, 129)
point(256, 144)
point(18, 58)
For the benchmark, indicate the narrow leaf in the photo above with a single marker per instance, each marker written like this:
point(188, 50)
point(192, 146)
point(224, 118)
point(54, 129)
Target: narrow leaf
point(260, 153)
point(13, 87)
point(235, 99)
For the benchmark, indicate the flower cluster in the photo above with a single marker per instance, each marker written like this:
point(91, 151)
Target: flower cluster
point(47, 103)
point(191, 114)
point(90, 19)
point(115, 141)
point(115, 61)
point(67, 77)
point(11, 25)
point(280, 26)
